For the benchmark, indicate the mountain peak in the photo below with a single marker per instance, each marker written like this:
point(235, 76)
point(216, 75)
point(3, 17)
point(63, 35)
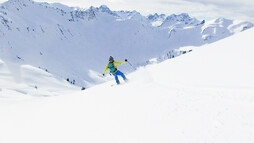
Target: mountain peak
point(156, 16)
point(19, 1)
point(178, 17)
point(184, 17)
point(222, 20)
point(104, 8)
point(91, 8)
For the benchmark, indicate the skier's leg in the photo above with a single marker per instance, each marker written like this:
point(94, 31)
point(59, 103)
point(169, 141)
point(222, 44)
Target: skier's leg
point(116, 78)
point(122, 75)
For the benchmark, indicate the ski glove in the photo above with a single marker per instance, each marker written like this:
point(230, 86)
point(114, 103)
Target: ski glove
point(126, 60)
point(103, 74)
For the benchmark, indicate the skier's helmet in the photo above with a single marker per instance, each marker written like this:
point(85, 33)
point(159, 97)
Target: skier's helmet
point(111, 58)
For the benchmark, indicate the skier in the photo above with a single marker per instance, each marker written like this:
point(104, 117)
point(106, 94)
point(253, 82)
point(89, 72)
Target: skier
point(113, 69)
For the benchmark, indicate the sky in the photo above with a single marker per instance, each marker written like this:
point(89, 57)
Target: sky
point(201, 9)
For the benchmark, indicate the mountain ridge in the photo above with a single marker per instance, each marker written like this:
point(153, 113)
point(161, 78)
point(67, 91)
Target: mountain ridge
point(63, 40)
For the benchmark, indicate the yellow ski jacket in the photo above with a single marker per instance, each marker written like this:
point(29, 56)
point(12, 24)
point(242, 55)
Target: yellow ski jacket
point(115, 63)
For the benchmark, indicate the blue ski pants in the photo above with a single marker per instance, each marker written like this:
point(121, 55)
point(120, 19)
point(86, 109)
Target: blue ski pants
point(116, 76)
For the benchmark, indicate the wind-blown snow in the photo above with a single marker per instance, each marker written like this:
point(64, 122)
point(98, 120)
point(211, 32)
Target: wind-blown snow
point(202, 96)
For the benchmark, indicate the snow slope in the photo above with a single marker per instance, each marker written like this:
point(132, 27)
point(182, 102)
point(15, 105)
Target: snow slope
point(76, 43)
point(202, 96)
point(25, 82)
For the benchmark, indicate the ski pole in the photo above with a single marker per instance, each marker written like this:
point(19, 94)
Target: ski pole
point(131, 65)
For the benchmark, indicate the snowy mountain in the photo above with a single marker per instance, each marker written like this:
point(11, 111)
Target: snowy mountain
point(156, 20)
point(72, 43)
point(202, 96)
point(219, 28)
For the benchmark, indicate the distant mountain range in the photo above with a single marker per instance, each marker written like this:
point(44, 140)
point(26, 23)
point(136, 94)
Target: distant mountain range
point(75, 43)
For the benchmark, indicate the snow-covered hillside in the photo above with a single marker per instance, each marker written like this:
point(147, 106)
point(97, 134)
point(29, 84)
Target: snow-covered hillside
point(202, 96)
point(25, 82)
point(74, 43)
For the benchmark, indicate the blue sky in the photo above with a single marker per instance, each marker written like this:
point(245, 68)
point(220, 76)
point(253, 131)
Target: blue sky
point(201, 9)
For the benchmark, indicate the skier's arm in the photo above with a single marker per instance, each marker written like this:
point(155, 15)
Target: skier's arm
point(105, 69)
point(119, 63)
